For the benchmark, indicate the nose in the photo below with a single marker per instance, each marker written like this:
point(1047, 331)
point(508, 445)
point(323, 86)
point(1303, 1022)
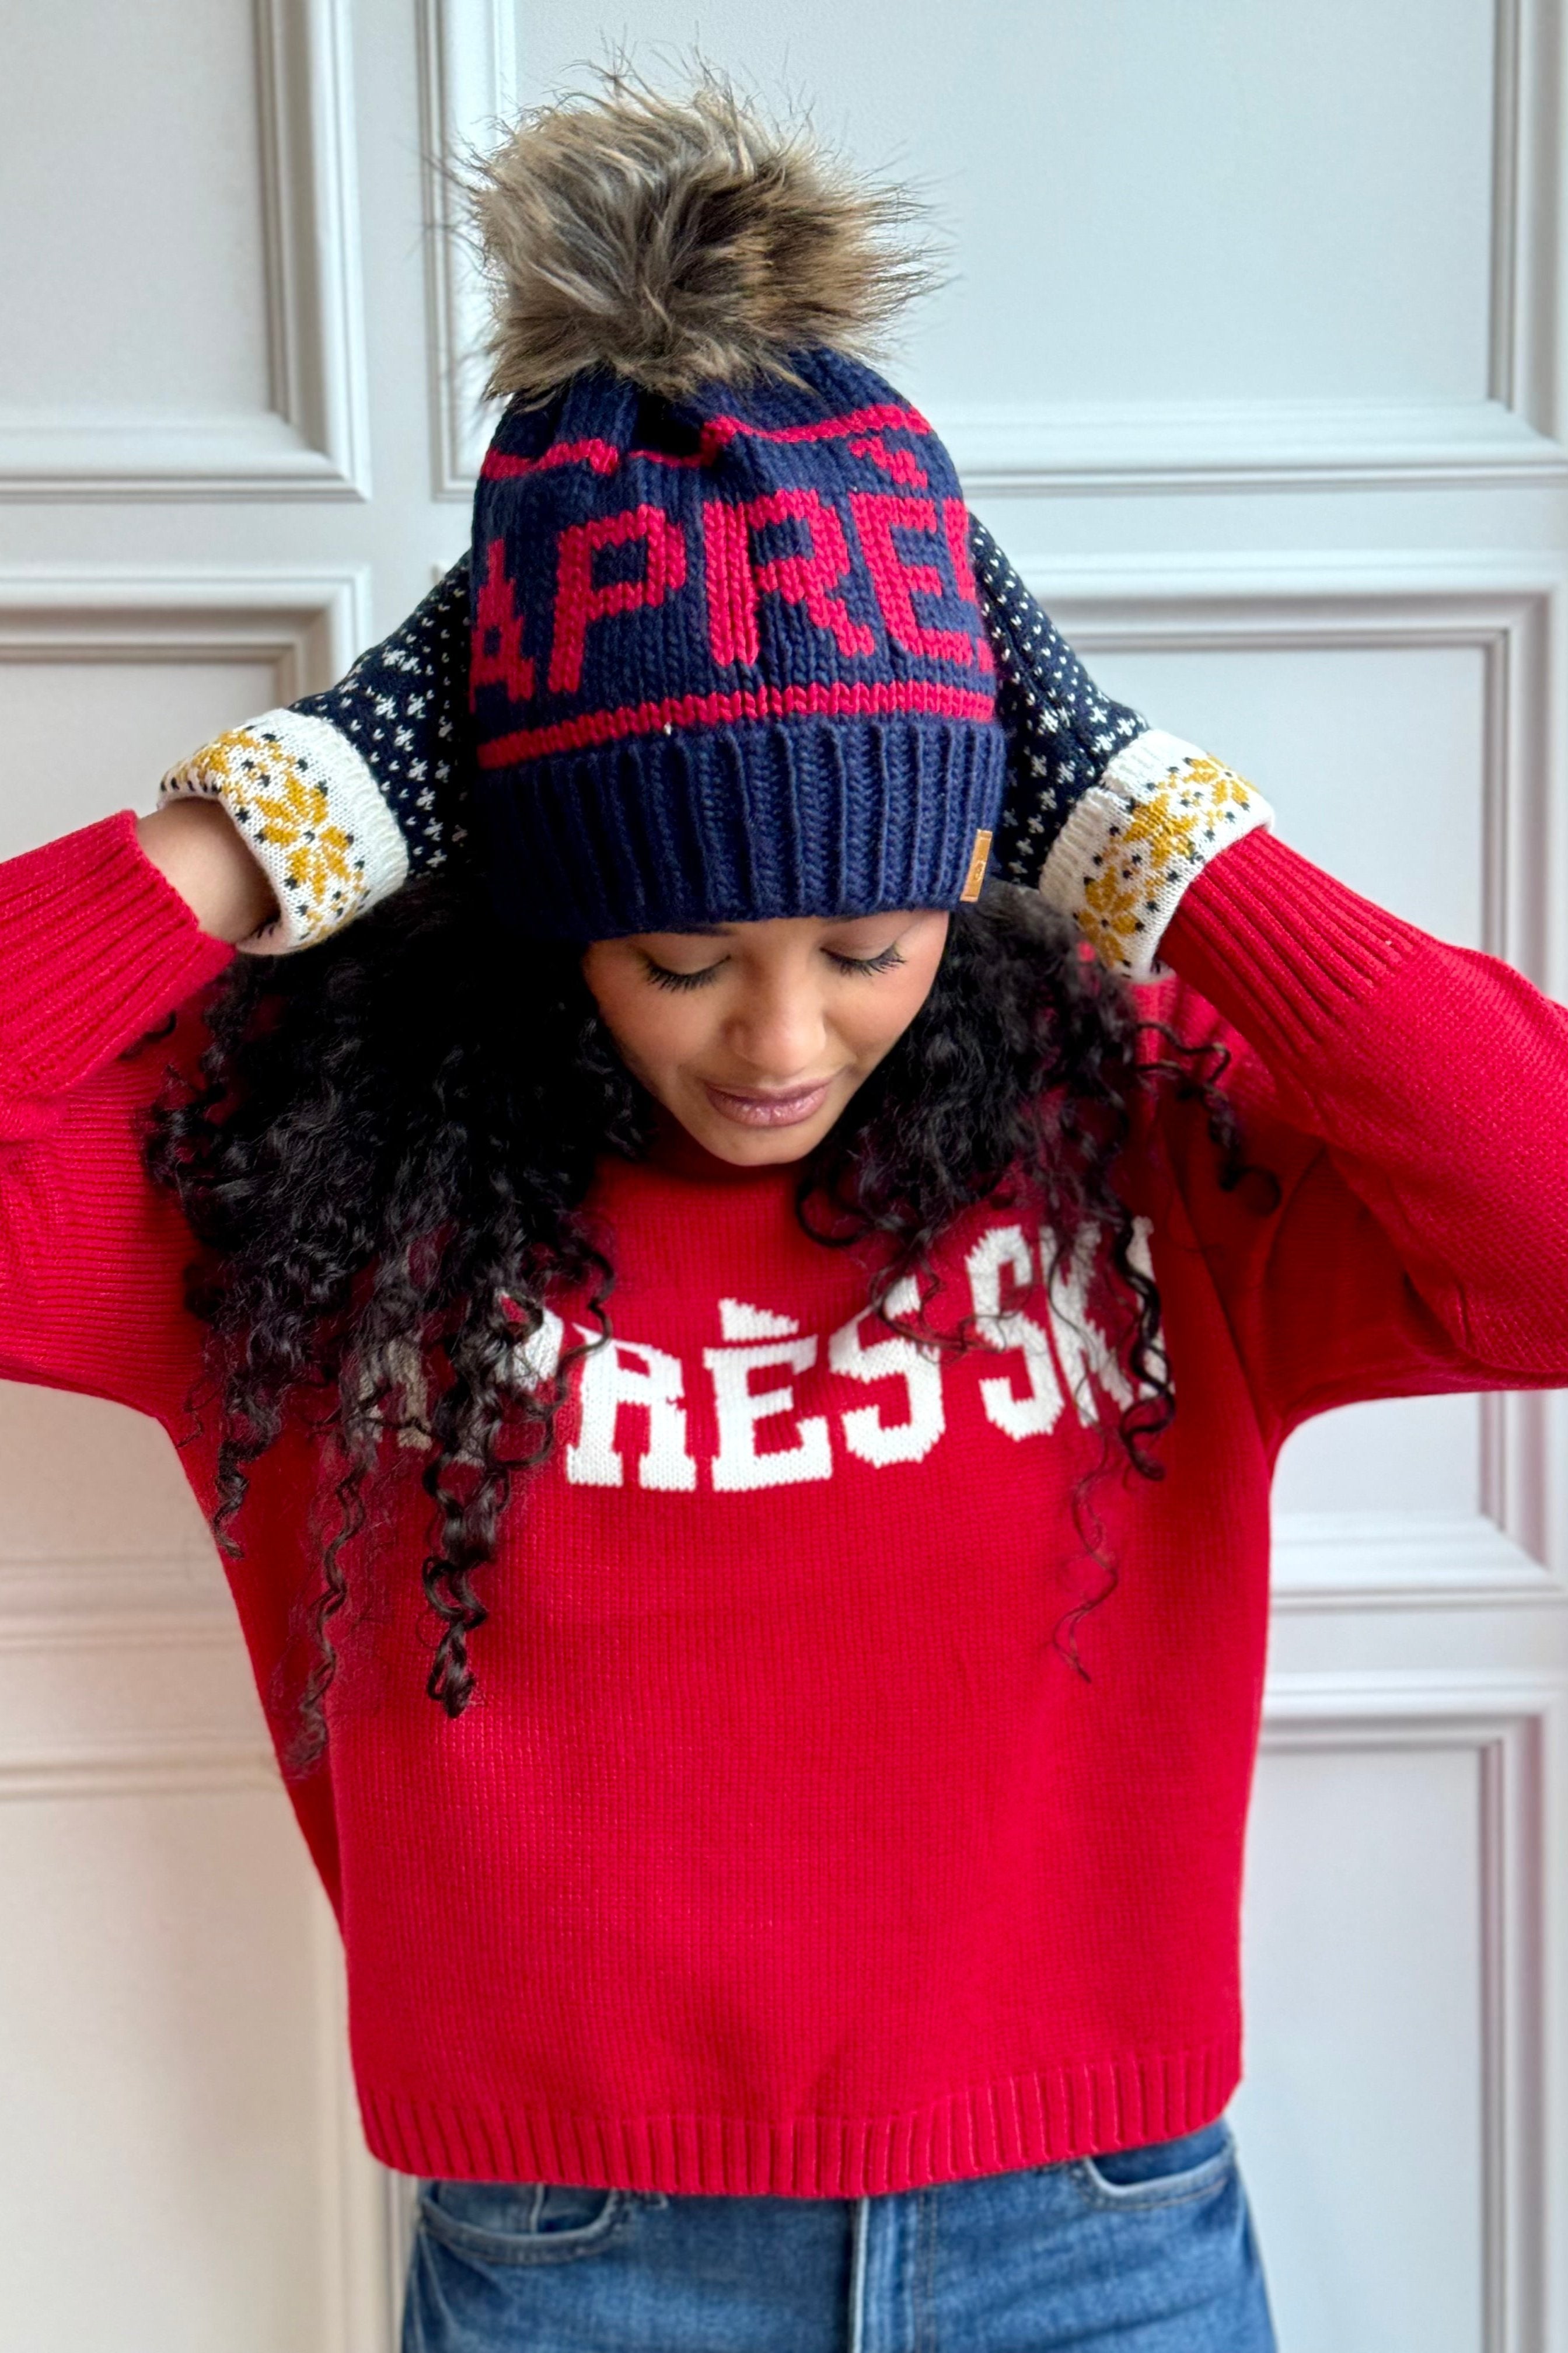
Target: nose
point(777, 1032)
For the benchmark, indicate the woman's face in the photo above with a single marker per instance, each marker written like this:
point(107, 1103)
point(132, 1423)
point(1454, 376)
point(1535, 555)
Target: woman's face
point(754, 1035)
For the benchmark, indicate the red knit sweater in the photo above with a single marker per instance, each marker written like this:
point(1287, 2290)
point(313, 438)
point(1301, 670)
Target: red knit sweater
point(781, 1849)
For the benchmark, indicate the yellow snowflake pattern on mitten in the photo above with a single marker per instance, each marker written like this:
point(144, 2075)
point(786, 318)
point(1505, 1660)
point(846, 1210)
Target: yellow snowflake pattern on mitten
point(1168, 829)
point(287, 815)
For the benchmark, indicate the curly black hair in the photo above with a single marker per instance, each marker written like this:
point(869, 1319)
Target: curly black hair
point(389, 1138)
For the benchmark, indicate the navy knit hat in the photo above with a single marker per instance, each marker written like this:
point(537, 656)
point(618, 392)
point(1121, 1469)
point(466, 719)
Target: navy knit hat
point(728, 661)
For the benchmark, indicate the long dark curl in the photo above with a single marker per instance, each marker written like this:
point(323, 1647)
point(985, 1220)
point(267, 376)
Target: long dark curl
point(394, 1132)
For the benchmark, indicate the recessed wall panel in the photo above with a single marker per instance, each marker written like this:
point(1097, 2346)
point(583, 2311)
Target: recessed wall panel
point(136, 1502)
point(1360, 2123)
point(82, 738)
point(1373, 758)
point(1146, 203)
point(129, 140)
point(176, 1934)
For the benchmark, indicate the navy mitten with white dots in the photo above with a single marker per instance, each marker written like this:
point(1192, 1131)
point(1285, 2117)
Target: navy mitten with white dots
point(346, 796)
point(1062, 732)
point(1108, 817)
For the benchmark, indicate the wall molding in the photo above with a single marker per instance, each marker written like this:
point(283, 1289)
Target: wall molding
point(1402, 1560)
point(364, 2256)
point(467, 89)
point(313, 442)
point(365, 2213)
point(1513, 612)
point(1510, 1724)
point(1512, 609)
point(123, 1627)
point(308, 624)
point(400, 2221)
point(1516, 434)
point(1048, 450)
point(193, 1765)
point(67, 1601)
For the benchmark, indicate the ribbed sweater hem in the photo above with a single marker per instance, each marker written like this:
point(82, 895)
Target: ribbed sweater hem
point(1043, 2118)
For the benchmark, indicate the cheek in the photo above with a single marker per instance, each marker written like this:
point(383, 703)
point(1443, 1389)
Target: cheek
point(654, 1031)
point(873, 1023)
point(887, 1012)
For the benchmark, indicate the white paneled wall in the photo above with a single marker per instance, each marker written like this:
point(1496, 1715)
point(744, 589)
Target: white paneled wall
point(1253, 357)
point(183, 187)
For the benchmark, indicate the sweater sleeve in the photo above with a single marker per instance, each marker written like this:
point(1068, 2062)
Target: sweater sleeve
point(96, 948)
point(1412, 1099)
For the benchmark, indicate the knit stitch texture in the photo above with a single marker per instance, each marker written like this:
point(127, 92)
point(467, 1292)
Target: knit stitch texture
point(728, 659)
point(781, 1850)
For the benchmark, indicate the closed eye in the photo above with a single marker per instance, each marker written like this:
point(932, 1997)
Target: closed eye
point(883, 963)
point(662, 976)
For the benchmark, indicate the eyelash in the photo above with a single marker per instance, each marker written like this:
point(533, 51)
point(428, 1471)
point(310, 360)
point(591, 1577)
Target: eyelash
point(883, 963)
point(663, 977)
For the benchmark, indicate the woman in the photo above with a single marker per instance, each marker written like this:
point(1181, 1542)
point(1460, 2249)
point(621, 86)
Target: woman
point(729, 1269)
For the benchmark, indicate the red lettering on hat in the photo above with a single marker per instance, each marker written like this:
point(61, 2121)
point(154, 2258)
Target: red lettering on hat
point(956, 522)
point(877, 515)
point(902, 464)
point(498, 659)
point(808, 577)
point(732, 584)
point(580, 601)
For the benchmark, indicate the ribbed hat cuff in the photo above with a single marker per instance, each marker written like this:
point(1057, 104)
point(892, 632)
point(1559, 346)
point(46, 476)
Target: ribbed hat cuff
point(739, 825)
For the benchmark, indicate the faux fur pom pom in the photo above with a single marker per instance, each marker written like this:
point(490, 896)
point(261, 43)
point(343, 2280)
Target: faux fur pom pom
point(679, 240)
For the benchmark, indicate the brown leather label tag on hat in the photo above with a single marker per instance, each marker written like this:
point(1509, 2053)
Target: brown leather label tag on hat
point(976, 874)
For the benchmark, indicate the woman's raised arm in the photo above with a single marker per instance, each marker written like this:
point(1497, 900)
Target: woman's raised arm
point(196, 845)
point(98, 946)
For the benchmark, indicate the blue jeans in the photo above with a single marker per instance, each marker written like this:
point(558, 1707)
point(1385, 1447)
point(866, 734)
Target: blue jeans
point(1150, 2251)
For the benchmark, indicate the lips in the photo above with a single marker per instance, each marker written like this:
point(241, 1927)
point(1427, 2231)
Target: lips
point(755, 1110)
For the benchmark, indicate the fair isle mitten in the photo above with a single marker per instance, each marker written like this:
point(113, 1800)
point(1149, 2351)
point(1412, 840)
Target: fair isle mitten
point(1109, 818)
point(346, 796)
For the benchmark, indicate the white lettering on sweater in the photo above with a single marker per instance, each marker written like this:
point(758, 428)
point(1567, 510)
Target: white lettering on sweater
point(739, 1464)
point(897, 1358)
point(739, 1321)
point(611, 1379)
point(535, 1360)
point(1081, 1346)
point(1001, 1252)
point(761, 1441)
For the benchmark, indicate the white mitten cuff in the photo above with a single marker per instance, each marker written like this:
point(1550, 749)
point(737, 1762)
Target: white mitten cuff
point(1134, 840)
point(311, 813)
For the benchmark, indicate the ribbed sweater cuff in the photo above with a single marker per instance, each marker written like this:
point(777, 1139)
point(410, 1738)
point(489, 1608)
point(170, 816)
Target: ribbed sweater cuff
point(1286, 952)
point(96, 946)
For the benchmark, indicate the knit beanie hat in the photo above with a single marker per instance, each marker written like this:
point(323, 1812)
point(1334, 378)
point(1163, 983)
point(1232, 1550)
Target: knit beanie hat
point(728, 661)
